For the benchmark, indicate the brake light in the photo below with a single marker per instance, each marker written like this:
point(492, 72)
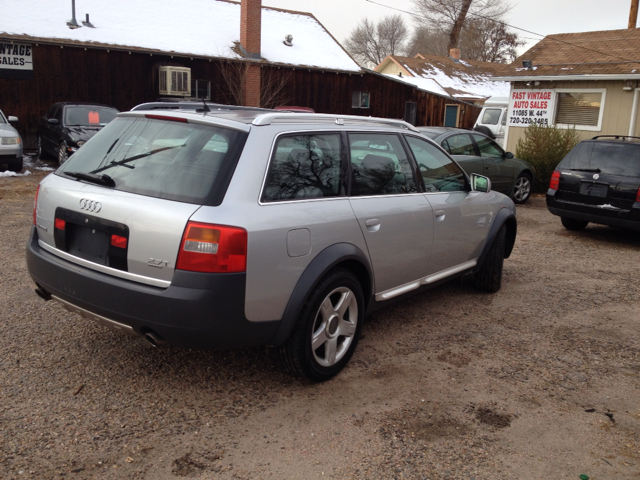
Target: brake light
point(35, 205)
point(118, 241)
point(213, 249)
point(638, 195)
point(60, 224)
point(554, 184)
point(171, 119)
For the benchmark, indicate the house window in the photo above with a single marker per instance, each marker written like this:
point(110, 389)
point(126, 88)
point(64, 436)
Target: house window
point(410, 109)
point(580, 108)
point(360, 100)
point(202, 89)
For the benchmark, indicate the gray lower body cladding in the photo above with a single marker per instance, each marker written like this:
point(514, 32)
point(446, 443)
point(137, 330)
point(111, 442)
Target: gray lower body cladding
point(198, 310)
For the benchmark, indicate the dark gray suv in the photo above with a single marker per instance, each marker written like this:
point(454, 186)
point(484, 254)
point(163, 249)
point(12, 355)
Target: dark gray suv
point(235, 228)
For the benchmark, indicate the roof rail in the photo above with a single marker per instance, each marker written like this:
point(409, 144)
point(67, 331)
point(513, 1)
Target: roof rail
point(282, 117)
point(615, 137)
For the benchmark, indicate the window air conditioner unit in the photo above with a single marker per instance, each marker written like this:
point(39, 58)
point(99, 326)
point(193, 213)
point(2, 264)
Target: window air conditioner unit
point(175, 81)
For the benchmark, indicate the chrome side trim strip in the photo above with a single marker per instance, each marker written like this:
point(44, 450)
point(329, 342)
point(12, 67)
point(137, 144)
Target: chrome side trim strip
point(105, 322)
point(407, 287)
point(449, 271)
point(394, 292)
point(154, 282)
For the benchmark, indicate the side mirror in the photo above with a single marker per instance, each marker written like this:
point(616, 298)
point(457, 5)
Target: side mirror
point(509, 155)
point(480, 183)
point(53, 121)
point(12, 118)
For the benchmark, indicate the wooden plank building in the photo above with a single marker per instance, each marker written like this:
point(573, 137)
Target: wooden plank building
point(61, 67)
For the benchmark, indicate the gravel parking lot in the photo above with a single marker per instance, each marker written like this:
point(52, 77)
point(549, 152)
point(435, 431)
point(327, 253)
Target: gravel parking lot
point(540, 380)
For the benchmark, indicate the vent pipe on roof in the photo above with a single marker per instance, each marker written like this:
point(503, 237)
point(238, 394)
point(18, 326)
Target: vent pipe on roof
point(87, 23)
point(73, 24)
point(288, 40)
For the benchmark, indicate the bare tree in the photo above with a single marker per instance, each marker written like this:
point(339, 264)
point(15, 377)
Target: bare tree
point(369, 43)
point(489, 41)
point(449, 16)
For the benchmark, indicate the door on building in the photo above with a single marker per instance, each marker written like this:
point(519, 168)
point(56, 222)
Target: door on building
point(451, 115)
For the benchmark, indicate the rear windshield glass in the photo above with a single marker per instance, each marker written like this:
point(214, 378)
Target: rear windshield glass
point(163, 159)
point(88, 115)
point(610, 158)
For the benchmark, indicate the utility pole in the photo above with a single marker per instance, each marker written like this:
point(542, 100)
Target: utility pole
point(633, 14)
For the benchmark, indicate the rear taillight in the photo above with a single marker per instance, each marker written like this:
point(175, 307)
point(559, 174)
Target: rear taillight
point(213, 249)
point(638, 195)
point(119, 241)
point(554, 184)
point(35, 205)
point(60, 224)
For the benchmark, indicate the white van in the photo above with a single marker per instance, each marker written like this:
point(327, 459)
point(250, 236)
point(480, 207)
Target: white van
point(492, 120)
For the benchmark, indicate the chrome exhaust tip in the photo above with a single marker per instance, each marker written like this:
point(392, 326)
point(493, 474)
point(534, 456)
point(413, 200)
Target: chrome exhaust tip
point(154, 339)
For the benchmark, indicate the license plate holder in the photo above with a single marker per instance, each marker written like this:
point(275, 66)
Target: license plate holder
point(90, 244)
point(594, 189)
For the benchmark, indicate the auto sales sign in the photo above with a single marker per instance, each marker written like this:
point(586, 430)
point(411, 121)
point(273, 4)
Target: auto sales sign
point(530, 106)
point(16, 60)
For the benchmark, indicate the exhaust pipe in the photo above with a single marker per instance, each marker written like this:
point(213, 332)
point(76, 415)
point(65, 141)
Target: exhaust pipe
point(154, 339)
point(43, 294)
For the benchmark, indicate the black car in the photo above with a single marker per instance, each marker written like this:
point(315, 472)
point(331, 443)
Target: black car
point(67, 126)
point(598, 181)
point(477, 153)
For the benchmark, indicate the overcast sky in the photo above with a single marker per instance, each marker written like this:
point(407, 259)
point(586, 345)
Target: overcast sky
point(544, 17)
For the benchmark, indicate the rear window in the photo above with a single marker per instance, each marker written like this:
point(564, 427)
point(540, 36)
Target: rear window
point(164, 159)
point(88, 115)
point(609, 157)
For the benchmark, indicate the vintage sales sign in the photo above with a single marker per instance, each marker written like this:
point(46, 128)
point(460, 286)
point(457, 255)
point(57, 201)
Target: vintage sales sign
point(530, 106)
point(16, 60)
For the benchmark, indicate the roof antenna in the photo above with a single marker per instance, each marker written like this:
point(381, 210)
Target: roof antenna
point(206, 107)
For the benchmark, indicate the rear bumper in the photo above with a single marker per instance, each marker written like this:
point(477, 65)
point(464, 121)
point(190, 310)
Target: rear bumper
point(198, 310)
point(604, 216)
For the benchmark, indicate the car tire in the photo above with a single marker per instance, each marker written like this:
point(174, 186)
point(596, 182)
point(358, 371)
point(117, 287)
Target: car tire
point(63, 155)
point(41, 152)
point(485, 130)
point(328, 328)
point(521, 190)
point(17, 167)
point(573, 225)
point(489, 278)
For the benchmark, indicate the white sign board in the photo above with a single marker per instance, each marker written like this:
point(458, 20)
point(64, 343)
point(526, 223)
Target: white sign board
point(16, 56)
point(530, 106)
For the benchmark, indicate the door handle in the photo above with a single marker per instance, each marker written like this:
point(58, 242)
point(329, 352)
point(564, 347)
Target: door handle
point(372, 224)
point(440, 215)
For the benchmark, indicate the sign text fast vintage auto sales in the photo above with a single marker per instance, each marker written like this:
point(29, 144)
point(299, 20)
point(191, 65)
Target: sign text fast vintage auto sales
point(530, 106)
point(16, 56)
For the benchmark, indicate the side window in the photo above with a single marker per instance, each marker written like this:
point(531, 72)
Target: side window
point(52, 111)
point(58, 114)
point(460, 145)
point(439, 172)
point(304, 167)
point(488, 148)
point(379, 165)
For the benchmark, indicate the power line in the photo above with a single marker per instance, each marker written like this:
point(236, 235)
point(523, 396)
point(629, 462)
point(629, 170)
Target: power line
point(515, 28)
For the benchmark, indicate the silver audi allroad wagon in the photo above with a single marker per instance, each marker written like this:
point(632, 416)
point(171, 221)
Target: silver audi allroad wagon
point(233, 227)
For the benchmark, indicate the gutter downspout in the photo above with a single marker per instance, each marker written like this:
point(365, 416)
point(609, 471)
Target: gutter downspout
point(634, 112)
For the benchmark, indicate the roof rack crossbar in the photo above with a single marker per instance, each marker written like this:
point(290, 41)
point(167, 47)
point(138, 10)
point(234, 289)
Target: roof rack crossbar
point(616, 137)
point(269, 118)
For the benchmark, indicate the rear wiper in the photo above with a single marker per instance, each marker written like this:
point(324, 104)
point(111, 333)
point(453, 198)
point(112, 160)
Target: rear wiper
point(590, 170)
point(103, 179)
point(124, 161)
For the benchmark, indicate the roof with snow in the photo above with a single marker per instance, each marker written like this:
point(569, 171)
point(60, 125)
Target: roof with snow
point(199, 28)
point(606, 53)
point(462, 79)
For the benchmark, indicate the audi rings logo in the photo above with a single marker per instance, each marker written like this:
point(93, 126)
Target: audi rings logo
point(90, 205)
